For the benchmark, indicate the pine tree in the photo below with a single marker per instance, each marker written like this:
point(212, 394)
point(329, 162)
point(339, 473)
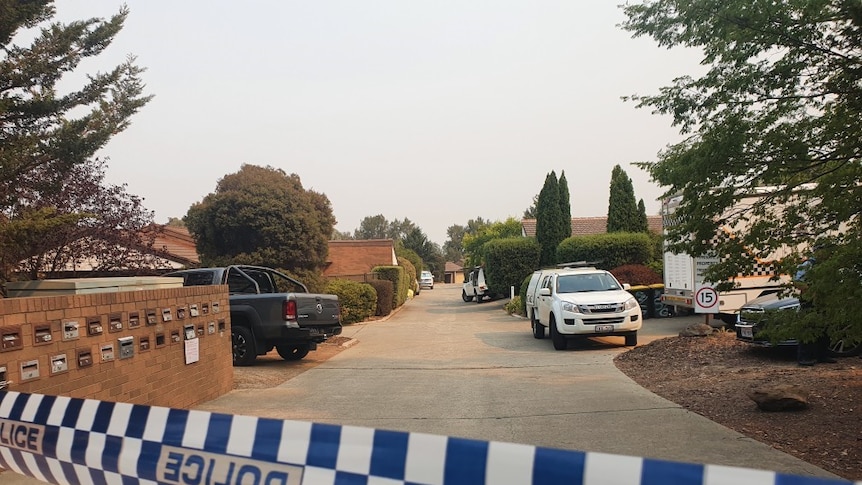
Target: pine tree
point(548, 215)
point(622, 208)
point(643, 222)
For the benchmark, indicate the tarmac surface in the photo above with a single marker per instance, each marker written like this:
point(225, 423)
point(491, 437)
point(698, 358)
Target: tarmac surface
point(443, 366)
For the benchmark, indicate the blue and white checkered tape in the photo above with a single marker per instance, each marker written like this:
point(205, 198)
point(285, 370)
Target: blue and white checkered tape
point(82, 441)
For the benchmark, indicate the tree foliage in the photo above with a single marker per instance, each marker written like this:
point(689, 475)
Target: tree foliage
point(262, 215)
point(429, 252)
point(378, 227)
point(780, 105)
point(453, 248)
point(623, 215)
point(56, 213)
point(565, 206)
point(549, 219)
point(474, 243)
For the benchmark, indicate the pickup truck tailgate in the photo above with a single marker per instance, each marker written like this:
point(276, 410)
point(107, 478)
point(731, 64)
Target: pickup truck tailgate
point(317, 309)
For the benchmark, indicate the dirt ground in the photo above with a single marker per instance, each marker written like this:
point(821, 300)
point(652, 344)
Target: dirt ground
point(711, 376)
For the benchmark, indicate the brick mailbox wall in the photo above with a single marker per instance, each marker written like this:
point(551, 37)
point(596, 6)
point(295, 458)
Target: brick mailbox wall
point(160, 347)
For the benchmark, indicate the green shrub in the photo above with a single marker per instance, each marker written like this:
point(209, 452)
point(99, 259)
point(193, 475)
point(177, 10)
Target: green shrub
point(398, 277)
point(507, 261)
point(607, 250)
point(384, 297)
point(411, 274)
point(515, 306)
point(358, 300)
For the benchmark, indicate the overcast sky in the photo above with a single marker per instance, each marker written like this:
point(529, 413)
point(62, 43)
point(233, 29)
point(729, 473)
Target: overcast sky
point(438, 111)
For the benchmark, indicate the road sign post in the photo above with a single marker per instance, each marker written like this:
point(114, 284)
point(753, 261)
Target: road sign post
point(705, 299)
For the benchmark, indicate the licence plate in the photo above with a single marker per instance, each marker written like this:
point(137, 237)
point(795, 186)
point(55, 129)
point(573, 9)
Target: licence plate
point(314, 331)
point(746, 332)
point(604, 328)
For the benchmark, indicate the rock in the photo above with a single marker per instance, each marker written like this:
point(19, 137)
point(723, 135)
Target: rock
point(779, 397)
point(697, 330)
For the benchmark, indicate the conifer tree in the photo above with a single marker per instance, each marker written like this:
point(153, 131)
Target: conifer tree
point(622, 208)
point(565, 206)
point(548, 216)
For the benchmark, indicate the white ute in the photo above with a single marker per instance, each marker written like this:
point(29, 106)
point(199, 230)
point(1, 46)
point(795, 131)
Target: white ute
point(582, 302)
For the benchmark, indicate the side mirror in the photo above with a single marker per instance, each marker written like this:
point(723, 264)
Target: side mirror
point(626, 286)
point(544, 292)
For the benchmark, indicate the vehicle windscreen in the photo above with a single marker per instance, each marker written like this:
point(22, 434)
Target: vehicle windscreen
point(201, 278)
point(586, 282)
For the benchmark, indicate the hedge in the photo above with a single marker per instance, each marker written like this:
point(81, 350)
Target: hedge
point(398, 277)
point(384, 296)
point(507, 261)
point(358, 301)
point(607, 250)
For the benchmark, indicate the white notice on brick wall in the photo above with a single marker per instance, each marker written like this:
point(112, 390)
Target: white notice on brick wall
point(193, 350)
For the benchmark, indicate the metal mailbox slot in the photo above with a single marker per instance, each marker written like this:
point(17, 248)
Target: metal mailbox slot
point(200, 330)
point(42, 334)
point(3, 382)
point(205, 308)
point(10, 339)
point(211, 328)
point(181, 313)
point(152, 319)
point(115, 322)
point(175, 336)
point(127, 347)
point(134, 320)
point(94, 326)
point(107, 351)
point(144, 343)
point(59, 364)
point(85, 358)
point(160, 340)
point(189, 332)
point(215, 307)
point(70, 330)
point(193, 310)
point(166, 315)
point(221, 325)
point(29, 370)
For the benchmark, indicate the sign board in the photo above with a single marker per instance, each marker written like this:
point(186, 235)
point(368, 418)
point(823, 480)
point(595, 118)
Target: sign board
point(192, 350)
point(701, 264)
point(705, 299)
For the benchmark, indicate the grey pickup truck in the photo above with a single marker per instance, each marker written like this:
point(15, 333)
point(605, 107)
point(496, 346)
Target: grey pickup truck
point(270, 309)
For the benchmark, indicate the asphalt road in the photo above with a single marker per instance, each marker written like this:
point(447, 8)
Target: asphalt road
point(443, 366)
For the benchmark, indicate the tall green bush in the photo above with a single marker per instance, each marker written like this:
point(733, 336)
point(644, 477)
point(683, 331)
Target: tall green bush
point(385, 294)
point(398, 277)
point(607, 250)
point(508, 260)
point(358, 301)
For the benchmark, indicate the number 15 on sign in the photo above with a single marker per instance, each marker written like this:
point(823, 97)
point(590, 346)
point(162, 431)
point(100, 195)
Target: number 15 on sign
point(705, 299)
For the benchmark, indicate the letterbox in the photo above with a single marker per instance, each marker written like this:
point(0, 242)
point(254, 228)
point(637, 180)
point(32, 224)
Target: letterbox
point(181, 313)
point(94, 326)
point(166, 315)
point(216, 308)
point(59, 364)
point(85, 358)
point(127, 347)
point(115, 322)
point(193, 310)
point(134, 320)
point(151, 317)
point(42, 334)
point(160, 340)
point(10, 338)
point(144, 343)
point(211, 328)
point(189, 332)
point(70, 330)
point(205, 308)
point(29, 370)
point(107, 351)
point(175, 336)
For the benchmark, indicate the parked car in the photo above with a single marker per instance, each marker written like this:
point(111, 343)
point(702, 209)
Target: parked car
point(269, 309)
point(426, 280)
point(475, 286)
point(582, 301)
point(751, 317)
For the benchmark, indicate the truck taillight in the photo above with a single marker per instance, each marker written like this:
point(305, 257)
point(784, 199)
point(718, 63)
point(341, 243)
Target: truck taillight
point(289, 309)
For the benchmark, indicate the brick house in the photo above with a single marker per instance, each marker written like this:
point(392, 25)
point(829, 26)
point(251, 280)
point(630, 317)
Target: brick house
point(354, 259)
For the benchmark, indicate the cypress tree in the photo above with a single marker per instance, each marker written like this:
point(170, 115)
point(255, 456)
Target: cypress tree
point(622, 208)
point(565, 206)
point(643, 222)
point(548, 215)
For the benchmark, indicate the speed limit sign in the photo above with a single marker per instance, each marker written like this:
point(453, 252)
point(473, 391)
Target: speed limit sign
point(705, 299)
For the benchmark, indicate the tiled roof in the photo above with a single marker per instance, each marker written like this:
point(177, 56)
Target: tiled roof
point(357, 257)
point(175, 243)
point(453, 267)
point(585, 226)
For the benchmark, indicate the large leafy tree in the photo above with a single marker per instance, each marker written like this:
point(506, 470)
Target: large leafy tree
point(453, 248)
point(85, 225)
point(779, 105)
point(623, 215)
point(431, 254)
point(262, 215)
point(549, 220)
point(51, 188)
point(474, 242)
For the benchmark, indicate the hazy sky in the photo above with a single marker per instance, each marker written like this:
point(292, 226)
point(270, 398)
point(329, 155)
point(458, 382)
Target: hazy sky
point(439, 111)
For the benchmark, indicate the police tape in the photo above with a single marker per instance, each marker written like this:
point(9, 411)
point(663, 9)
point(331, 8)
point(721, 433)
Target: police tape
point(64, 440)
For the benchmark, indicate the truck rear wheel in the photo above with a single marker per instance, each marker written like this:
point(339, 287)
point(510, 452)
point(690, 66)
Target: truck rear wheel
point(465, 297)
point(538, 328)
point(242, 341)
point(292, 351)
